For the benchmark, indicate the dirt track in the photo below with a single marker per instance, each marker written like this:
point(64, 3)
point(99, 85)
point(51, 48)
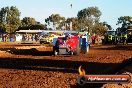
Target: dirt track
point(35, 67)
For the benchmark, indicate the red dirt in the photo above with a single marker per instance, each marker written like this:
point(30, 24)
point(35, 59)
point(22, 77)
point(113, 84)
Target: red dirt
point(35, 67)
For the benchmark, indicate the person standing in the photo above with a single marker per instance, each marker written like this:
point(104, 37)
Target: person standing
point(93, 38)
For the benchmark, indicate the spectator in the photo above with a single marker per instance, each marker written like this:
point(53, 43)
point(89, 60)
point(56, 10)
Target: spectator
point(93, 39)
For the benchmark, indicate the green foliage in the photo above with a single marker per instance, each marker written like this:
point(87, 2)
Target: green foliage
point(100, 28)
point(9, 19)
point(75, 23)
point(90, 13)
point(124, 22)
point(88, 20)
point(31, 23)
point(56, 19)
point(28, 21)
point(33, 27)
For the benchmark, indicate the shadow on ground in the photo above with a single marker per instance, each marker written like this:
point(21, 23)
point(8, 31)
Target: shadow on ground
point(32, 51)
point(114, 47)
point(64, 66)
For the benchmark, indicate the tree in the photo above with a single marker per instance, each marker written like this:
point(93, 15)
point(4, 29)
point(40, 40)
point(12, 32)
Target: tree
point(31, 23)
point(28, 21)
point(124, 22)
point(56, 19)
point(90, 13)
point(38, 26)
point(9, 19)
point(75, 23)
point(88, 17)
point(100, 28)
point(2, 24)
point(107, 25)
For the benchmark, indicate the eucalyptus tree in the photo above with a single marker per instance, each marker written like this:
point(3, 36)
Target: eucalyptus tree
point(75, 23)
point(28, 21)
point(124, 22)
point(88, 17)
point(31, 23)
point(55, 19)
point(100, 28)
point(9, 19)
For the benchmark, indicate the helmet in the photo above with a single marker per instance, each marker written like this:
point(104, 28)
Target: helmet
point(66, 33)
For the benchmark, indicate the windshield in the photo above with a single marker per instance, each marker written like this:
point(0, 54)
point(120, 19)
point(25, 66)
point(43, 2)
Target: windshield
point(111, 32)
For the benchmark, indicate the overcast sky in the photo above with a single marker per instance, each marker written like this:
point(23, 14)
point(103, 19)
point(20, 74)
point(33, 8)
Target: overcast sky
point(41, 9)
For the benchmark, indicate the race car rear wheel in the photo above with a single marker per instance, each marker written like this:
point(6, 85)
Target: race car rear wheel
point(77, 52)
point(71, 53)
point(87, 49)
point(55, 53)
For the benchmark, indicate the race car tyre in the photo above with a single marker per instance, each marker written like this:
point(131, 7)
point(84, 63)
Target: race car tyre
point(77, 52)
point(87, 49)
point(71, 53)
point(55, 53)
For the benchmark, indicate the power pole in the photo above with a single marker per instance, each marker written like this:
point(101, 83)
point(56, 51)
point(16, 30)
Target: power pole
point(71, 20)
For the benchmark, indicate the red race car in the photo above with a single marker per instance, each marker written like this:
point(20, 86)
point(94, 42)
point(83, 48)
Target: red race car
point(67, 45)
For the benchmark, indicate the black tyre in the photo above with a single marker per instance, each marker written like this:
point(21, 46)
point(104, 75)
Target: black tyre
point(77, 52)
point(40, 42)
point(55, 51)
point(71, 53)
point(87, 49)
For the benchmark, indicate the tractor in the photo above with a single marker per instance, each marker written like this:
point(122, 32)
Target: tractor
point(129, 32)
point(70, 44)
point(110, 37)
point(125, 35)
point(47, 38)
point(122, 38)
